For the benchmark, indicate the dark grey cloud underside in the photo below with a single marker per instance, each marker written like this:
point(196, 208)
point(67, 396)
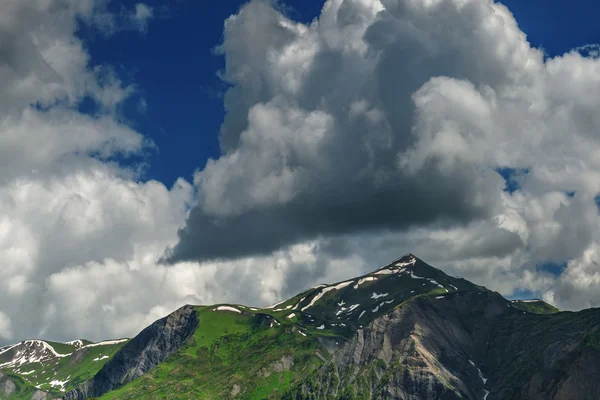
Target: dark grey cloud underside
point(348, 208)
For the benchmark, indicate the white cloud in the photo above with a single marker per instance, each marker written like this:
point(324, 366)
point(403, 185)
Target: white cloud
point(141, 15)
point(5, 327)
point(63, 205)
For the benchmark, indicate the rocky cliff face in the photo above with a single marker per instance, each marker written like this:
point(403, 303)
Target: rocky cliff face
point(141, 354)
point(545, 357)
point(419, 351)
point(467, 345)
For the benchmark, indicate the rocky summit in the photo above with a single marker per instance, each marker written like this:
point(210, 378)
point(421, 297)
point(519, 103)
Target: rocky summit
point(405, 331)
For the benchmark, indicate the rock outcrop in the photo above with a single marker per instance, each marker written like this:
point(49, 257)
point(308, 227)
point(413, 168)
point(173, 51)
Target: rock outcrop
point(447, 347)
point(7, 386)
point(141, 354)
point(419, 351)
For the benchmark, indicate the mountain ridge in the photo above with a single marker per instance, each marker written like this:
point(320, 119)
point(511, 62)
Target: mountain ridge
point(406, 330)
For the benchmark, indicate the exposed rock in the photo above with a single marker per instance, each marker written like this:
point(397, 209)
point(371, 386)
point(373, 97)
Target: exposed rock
point(39, 395)
point(7, 386)
point(141, 354)
point(284, 364)
point(235, 390)
point(581, 381)
point(416, 352)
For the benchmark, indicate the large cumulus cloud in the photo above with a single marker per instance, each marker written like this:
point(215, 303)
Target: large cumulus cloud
point(320, 117)
point(385, 121)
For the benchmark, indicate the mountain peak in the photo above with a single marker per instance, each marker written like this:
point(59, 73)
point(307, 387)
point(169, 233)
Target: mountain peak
point(340, 308)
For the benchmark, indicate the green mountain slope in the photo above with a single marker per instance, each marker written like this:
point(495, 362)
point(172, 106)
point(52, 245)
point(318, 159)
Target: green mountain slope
point(535, 306)
point(225, 355)
point(37, 366)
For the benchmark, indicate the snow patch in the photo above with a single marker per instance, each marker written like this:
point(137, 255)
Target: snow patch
point(321, 327)
point(28, 372)
point(347, 309)
point(227, 308)
point(376, 295)
point(325, 290)
point(275, 305)
point(298, 303)
point(292, 315)
point(384, 272)
point(343, 285)
point(105, 343)
point(435, 282)
point(361, 314)
point(483, 379)
point(353, 307)
point(100, 358)
point(363, 280)
point(60, 385)
point(412, 261)
point(316, 298)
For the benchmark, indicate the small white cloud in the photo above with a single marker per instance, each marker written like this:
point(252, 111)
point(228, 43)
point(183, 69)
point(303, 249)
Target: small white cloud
point(141, 16)
point(5, 327)
point(142, 106)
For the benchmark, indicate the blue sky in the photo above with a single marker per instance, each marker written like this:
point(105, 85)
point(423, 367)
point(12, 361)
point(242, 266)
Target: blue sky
point(175, 69)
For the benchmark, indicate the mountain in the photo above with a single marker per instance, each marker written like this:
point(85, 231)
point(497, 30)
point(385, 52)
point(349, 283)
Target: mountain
point(405, 331)
point(39, 369)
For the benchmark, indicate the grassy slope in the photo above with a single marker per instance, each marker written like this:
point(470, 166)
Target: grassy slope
point(535, 307)
point(229, 349)
point(75, 369)
point(24, 390)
